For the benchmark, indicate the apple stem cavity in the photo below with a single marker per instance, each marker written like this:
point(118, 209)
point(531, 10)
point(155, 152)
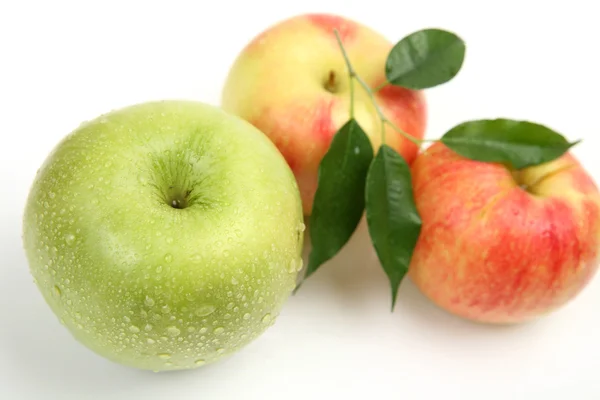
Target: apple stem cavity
point(331, 84)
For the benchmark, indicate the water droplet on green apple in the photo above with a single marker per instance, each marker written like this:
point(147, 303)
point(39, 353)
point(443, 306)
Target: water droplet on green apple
point(299, 264)
point(159, 269)
point(196, 258)
point(150, 341)
point(219, 330)
point(149, 301)
point(200, 362)
point(164, 356)
point(205, 310)
point(57, 291)
point(69, 238)
point(173, 331)
point(148, 328)
point(220, 350)
point(134, 329)
point(292, 266)
point(168, 258)
point(246, 316)
point(52, 195)
point(165, 309)
point(169, 240)
point(266, 319)
point(234, 281)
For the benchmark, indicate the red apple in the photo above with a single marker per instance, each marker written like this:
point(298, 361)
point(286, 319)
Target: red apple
point(291, 82)
point(502, 246)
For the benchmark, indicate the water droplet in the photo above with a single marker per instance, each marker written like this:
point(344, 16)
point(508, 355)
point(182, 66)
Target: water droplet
point(230, 306)
point(168, 258)
point(134, 329)
point(302, 227)
point(69, 238)
point(164, 356)
point(126, 319)
point(77, 315)
point(169, 240)
point(292, 266)
point(299, 264)
point(220, 350)
point(57, 291)
point(150, 341)
point(356, 150)
point(165, 309)
point(52, 195)
point(266, 319)
point(173, 331)
point(205, 310)
point(219, 330)
point(200, 362)
point(196, 258)
point(149, 301)
point(246, 316)
point(159, 269)
point(234, 281)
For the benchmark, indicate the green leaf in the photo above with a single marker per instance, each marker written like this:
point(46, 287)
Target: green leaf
point(392, 217)
point(425, 59)
point(519, 144)
point(339, 200)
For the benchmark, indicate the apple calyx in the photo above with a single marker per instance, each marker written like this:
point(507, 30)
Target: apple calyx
point(352, 181)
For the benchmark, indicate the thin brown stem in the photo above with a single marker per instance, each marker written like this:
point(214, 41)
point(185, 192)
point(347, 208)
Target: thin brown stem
point(371, 94)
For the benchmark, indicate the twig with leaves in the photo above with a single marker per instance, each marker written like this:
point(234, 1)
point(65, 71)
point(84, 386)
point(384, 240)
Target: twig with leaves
point(352, 181)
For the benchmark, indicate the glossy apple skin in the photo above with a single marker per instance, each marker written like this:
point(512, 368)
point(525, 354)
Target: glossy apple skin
point(493, 252)
point(278, 83)
point(148, 285)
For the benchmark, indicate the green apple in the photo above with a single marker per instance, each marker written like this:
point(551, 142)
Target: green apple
point(165, 235)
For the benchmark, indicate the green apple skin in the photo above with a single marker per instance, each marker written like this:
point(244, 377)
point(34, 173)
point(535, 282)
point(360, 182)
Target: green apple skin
point(164, 235)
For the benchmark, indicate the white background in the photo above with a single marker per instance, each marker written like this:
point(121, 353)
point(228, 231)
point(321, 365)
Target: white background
point(63, 63)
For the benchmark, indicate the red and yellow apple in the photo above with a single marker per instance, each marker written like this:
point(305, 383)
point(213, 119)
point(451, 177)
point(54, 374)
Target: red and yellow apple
point(502, 246)
point(291, 82)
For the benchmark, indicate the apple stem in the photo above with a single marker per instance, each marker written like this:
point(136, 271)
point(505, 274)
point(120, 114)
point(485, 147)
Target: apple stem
point(378, 88)
point(371, 94)
point(351, 98)
point(351, 71)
